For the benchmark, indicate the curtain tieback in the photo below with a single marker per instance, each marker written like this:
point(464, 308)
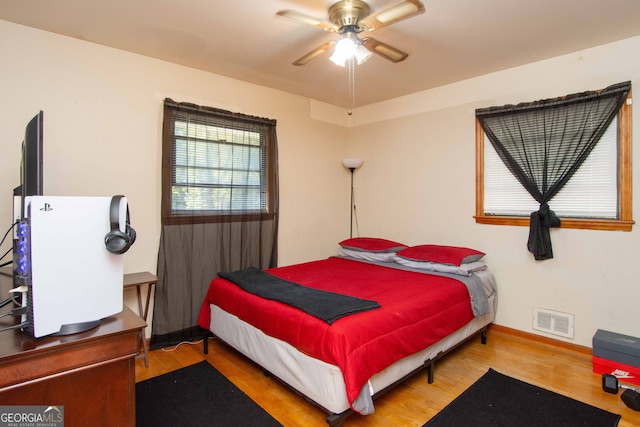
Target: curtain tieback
point(539, 243)
point(547, 217)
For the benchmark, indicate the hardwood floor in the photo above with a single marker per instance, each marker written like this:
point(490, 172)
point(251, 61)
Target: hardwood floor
point(555, 367)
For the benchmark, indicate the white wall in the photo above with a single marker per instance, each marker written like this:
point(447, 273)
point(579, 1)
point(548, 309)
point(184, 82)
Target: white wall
point(102, 136)
point(417, 186)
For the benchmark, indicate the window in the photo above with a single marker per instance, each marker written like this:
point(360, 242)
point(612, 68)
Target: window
point(217, 165)
point(598, 196)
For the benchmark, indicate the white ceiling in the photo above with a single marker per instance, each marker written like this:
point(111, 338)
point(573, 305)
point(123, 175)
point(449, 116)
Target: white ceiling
point(244, 39)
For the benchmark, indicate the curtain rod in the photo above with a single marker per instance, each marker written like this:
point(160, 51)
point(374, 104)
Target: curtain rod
point(187, 106)
point(574, 98)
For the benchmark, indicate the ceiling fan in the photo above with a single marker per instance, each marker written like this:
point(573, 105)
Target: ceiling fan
point(350, 18)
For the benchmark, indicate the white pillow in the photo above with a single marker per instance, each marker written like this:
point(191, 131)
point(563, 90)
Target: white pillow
point(462, 270)
point(367, 256)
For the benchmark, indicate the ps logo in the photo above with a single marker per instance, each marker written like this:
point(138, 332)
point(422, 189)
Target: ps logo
point(47, 207)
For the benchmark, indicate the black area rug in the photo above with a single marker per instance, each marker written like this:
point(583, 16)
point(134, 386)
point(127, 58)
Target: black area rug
point(197, 395)
point(498, 400)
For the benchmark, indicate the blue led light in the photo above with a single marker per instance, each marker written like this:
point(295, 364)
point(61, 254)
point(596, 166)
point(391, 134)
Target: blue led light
point(23, 268)
point(23, 230)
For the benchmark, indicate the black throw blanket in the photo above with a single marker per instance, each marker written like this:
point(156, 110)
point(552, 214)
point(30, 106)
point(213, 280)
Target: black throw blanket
point(324, 305)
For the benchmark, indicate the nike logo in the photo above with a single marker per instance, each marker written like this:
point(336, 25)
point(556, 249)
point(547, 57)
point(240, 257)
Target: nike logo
point(619, 373)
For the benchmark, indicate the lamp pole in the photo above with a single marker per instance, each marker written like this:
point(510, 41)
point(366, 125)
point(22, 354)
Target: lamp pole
point(352, 165)
point(351, 206)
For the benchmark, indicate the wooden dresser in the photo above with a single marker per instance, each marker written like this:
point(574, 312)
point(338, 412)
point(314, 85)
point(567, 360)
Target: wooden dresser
point(91, 374)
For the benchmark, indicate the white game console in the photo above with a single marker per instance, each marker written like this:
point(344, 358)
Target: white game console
point(74, 281)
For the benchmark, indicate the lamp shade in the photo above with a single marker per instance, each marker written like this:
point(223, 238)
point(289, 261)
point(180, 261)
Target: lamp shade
point(345, 49)
point(362, 54)
point(352, 163)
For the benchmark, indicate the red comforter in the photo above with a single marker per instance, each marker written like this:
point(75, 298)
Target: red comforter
point(417, 309)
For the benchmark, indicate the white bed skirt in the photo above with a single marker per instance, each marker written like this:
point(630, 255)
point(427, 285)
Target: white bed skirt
point(319, 381)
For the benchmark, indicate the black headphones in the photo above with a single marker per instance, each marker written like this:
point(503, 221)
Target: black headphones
point(116, 241)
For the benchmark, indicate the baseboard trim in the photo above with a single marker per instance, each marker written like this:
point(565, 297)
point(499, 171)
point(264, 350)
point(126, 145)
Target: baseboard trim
point(541, 339)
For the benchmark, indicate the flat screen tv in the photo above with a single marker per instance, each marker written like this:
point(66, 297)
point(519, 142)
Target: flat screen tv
point(31, 176)
point(31, 167)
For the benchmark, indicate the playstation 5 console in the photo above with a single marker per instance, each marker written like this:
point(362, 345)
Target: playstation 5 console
point(71, 280)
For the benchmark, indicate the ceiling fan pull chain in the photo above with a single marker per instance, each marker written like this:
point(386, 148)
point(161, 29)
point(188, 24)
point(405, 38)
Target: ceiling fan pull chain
point(352, 84)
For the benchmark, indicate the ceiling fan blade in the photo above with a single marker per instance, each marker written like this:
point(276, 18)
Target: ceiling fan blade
point(307, 20)
point(403, 10)
point(389, 53)
point(304, 60)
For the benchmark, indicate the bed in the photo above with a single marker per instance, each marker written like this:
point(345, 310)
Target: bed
point(398, 310)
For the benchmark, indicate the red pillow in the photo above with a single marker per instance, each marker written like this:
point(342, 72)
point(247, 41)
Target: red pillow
point(371, 244)
point(451, 255)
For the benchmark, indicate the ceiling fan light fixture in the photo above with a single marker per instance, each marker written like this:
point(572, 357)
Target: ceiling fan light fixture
point(350, 18)
point(346, 47)
point(362, 54)
point(344, 50)
point(338, 60)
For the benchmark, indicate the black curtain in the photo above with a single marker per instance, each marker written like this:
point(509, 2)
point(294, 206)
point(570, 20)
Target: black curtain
point(195, 246)
point(543, 144)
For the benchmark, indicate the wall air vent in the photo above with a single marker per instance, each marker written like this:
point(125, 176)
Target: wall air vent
point(553, 322)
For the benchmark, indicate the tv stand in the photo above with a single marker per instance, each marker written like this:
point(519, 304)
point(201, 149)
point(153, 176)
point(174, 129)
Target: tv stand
point(91, 373)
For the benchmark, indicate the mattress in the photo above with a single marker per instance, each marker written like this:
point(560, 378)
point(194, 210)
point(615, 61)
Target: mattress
point(421, 316)
point(321, 382)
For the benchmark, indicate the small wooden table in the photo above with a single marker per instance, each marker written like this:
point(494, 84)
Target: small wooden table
point(91, 373)
point(137, 280)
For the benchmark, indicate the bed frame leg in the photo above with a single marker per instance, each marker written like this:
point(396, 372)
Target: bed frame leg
point(205, 341)
point(336, 420)
point(483, 336)
point(430, 366)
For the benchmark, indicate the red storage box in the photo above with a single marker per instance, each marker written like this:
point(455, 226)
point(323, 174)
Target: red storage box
point(618, 355)
point(624, 373)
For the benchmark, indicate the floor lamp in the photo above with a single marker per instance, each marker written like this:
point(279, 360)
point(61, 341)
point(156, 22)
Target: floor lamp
point(352, 165)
